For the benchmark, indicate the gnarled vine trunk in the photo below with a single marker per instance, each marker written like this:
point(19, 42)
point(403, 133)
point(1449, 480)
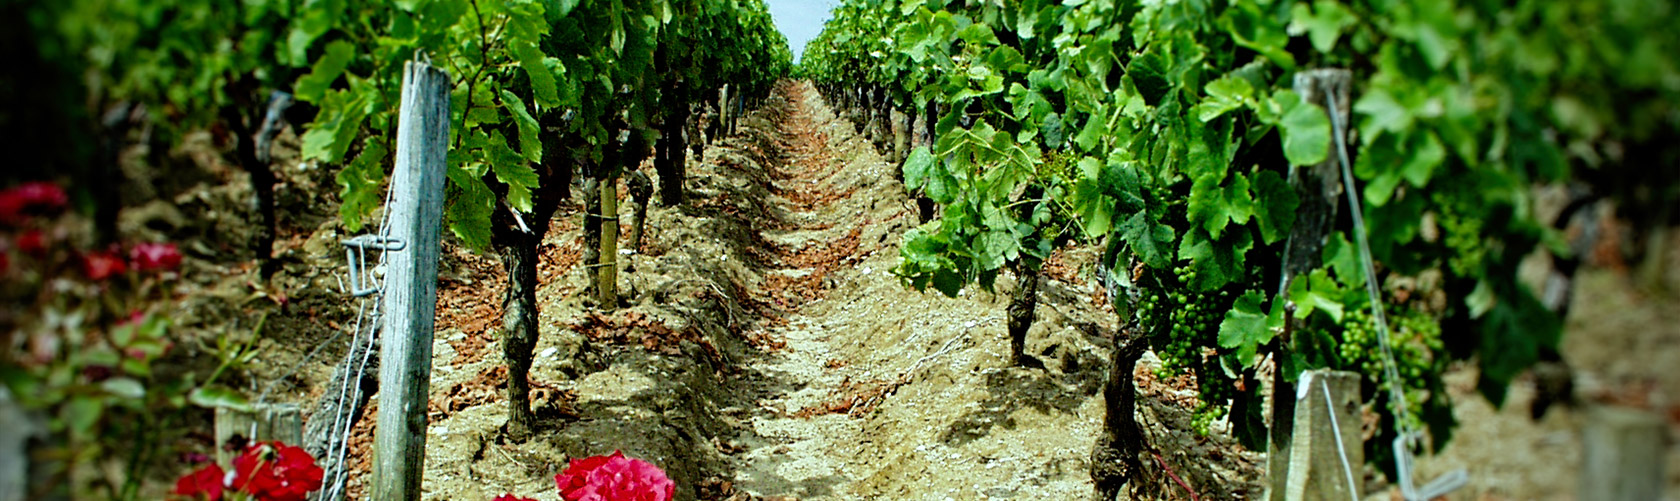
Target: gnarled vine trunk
point(518, 250)
point(1022, 304)
point(671, 153)
point(519, 328)
point(641, 190)
point(1115, 459)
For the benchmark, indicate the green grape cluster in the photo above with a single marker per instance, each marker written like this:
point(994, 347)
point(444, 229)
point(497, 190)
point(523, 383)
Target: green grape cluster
point(1414, 338)
point(1201, 421)
point(1191, 327)
point(1462, 233)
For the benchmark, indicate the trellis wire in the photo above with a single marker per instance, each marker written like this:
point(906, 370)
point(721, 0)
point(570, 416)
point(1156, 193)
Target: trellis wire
point(342, 425)
point(1336, 431)
point(1391, 372)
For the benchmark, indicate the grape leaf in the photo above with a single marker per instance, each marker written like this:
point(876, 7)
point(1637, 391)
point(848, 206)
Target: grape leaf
point(359, 183)
point(1223, 95)
point(1323, 23)
point(1306, 131)
point(947, 282)
point(916, 168)
point(1216, 262)
point(311, 87)
point(1427, 153)
point(1244, 327)
point(530, 146)
point(1256, 30)
point(941, 185)
point(1343, 260)
point(1213, 206)
point(542, 78)
point(1275, 204)
point(1150, 240)
point(1316, 292)
point(1120, 180)
point(512, 170)
point(1382, 113)
point(469, 210)
point(1149, 73)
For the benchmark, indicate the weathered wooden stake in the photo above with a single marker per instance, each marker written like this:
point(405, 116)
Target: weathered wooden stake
point(1326, 456)
point(263, 422)
point(15, 460)
point(1622, 454)
point(411, 282)
point(1319, 189)
point(608, 273)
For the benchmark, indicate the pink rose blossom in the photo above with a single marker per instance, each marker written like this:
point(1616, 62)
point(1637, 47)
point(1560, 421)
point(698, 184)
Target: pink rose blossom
point(154, 257)
point(17, 202)
point(614, 478)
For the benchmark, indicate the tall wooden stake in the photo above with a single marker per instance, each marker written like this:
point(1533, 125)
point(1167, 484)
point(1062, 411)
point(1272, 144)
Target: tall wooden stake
point(1319, 188)
point(411, 282)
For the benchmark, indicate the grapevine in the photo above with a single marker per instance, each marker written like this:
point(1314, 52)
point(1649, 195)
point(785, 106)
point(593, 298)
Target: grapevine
point(1184, 126)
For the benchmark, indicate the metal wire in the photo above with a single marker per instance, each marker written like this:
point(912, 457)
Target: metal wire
point(349, 393)
point(1391, 372)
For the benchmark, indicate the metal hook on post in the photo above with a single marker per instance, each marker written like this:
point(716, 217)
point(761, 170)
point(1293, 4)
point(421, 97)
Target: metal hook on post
point(355, 253)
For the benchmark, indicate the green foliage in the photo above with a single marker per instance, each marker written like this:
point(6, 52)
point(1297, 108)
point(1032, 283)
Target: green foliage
point(1171, 127)
point(522, 70)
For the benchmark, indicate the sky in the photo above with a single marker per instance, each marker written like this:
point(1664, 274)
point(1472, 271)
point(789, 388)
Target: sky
point(800, 20)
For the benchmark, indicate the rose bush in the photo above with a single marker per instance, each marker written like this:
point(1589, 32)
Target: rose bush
point(266, 471)
point(81, 325)
point(614, 478)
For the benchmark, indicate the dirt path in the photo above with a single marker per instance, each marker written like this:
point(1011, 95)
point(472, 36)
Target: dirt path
point(883, 391)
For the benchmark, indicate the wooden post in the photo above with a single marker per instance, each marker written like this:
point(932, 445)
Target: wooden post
point(411, 282)
point(1622, 454)
point(263, 422)
point(1319, 188)
point(14, 448)
point(1326, 456)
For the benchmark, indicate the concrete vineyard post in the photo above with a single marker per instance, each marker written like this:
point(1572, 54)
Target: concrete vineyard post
point(1622, 451)
point(1326, 455)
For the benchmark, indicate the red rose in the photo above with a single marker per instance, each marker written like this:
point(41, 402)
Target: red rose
point(511, 497)
point(614, 478)
point(32, 242)
point(36, 196)
point(154, 257)
point(206, 483)
point(100, 265)
point(11, 207)
point(272, 471)
point(42, 195)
